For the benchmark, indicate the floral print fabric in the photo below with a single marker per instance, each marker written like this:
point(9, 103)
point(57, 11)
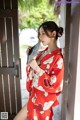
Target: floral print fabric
point(44, 87)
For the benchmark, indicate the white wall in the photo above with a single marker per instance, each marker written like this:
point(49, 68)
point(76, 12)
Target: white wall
point(62, 24)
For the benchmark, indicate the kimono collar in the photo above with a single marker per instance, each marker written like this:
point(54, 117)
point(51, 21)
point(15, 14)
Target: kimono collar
point(54, 52)
point(58, 50)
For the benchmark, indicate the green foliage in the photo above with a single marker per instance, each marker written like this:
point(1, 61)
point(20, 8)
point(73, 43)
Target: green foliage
point(27, 4)
point(33, 12)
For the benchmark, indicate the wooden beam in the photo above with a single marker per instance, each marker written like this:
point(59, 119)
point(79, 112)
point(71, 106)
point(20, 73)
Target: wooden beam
point(8, 70)
point(7, 13)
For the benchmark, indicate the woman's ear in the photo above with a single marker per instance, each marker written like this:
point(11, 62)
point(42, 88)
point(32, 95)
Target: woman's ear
point(54, 34)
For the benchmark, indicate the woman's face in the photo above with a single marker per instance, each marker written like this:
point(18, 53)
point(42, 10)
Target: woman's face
point(43, 37)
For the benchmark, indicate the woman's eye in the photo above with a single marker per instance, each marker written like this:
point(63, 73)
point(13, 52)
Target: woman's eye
point(43, 33)
point(40, 34)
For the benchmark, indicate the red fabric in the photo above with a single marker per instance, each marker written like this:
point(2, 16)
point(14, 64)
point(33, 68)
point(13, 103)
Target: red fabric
point(46, 86)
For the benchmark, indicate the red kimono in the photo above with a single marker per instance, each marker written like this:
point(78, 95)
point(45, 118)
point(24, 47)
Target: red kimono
point(44, 87)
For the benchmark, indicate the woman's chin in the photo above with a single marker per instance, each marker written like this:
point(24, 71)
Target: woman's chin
point(43, 44)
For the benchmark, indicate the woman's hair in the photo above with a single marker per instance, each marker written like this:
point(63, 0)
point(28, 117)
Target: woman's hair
point(50, 26)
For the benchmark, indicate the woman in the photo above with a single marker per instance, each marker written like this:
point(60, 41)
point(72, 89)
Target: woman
point(45, 76)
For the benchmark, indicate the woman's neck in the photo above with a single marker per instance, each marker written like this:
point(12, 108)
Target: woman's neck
point(53, 46)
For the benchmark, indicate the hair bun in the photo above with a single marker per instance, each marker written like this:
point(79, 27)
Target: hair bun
point(60, 32)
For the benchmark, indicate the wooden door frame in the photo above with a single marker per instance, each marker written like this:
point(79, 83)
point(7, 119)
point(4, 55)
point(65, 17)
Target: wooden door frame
point(66, 60)
point(70, 77)
point(9, 71)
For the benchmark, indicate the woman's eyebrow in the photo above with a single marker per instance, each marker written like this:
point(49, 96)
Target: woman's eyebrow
point(42, 31)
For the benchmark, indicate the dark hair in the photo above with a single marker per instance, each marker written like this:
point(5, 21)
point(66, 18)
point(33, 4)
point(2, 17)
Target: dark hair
point(51, 26)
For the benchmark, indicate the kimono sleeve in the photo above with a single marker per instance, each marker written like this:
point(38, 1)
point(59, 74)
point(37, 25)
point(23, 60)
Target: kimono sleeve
point(28, 82)
point(52, 83)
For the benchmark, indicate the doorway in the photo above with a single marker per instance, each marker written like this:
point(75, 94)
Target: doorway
point(42, 12)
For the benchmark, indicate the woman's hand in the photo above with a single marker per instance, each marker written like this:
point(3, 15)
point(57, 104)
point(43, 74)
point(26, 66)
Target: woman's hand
point(34, 65)
point(28, 49)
